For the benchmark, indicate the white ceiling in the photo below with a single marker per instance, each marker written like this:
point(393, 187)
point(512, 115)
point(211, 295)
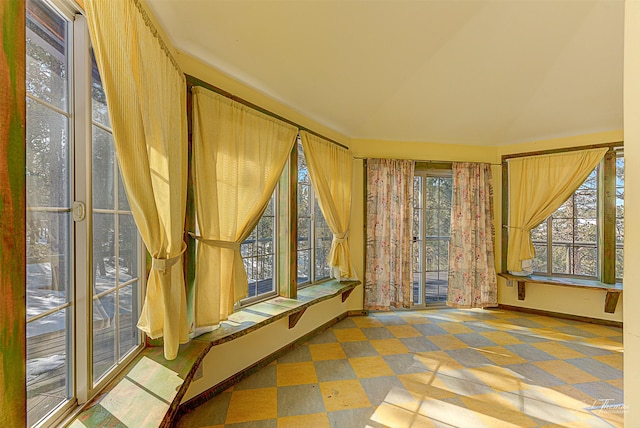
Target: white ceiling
point(489, 72)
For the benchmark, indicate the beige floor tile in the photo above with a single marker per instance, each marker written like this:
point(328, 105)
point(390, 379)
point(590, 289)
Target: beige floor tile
point(438, 361)
point(367, 322)
point(389, 346)
point(501, 338)
point(326, 351)
point(455, 327)
point(566, 372)
point(252, 405)
point(614, 360)
point(296, 374)
point(397, 417)
point(401, 331)
point(343, 395)
point(349, 334)
point(558, 350)
point(421, 385)
point(495, 411)
point(316, 420)
point(366, 367)
point(500, 355)
point(447, 342)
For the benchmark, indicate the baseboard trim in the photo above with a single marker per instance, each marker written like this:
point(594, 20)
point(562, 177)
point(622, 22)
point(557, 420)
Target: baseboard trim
point(598, 321)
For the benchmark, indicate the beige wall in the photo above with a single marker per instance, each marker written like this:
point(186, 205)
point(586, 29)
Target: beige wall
point(632, 213)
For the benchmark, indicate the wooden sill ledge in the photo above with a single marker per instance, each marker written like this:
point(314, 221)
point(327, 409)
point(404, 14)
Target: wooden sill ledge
point(610, 301)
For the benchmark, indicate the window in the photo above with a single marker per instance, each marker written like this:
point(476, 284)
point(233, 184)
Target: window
point(314, 236)
point(431, 226)
point(574, 240)
point(73, 258)
point(259, 253)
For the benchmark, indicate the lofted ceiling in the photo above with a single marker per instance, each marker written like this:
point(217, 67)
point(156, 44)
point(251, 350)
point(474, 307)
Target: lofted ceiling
point(487, 72)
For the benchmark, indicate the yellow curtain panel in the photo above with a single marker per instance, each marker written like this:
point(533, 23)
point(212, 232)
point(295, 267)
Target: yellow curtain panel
point(331, 170)
point(539, 185)
point(146, 97)
point(238, 157)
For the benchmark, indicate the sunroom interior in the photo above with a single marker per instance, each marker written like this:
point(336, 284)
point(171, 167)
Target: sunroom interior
point(214, 196)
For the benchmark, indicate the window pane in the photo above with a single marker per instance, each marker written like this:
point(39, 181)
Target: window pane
point(49, 261)
point(586, 231)
point(304, 233)
point(46, 47)
point(128, 307)
point(586, 204)
point(540, 261)
point(586, 261)
point(103, 171)
point(619, 263)
point(104, 252)
point(561, 259)
point(258, 252)
point(48, 163)
point(323, 239)
point(539, 233)
point(432, 256)
point(128, 248)
point(99, 111)
point(104, 328)
point(304, 266)
point(592, 180)
point(565, 210)
point(48, 364)
point(562, 230)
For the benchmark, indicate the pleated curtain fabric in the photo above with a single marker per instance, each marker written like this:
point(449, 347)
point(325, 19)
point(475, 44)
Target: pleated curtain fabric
point(238, 157)
point(331, 173)
point(472, 273)
point(388, 277)
point(146, 97)
point(538, 186)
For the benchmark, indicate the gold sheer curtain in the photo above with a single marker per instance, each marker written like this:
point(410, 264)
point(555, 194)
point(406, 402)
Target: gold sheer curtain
point(145, 92)
point(330, 169)
point(539, 185)
point(238, 157)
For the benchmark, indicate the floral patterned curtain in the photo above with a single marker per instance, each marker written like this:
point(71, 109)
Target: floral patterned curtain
point(472, 273)
point(389, 233)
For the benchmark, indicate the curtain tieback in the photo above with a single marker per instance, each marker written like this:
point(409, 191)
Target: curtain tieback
point(524, 229)
point(163, 264)
point(341, 238)
point(231, 245)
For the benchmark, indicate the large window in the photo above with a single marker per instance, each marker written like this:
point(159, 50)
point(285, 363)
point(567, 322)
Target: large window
point(314, 235)
point(82, 243)
point(431, 232)
point(583, 238)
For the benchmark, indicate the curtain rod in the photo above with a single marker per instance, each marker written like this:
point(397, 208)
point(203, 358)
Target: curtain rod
point(432, 161)
point(194, 81)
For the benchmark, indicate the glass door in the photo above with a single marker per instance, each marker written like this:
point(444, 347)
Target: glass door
point(431, 225)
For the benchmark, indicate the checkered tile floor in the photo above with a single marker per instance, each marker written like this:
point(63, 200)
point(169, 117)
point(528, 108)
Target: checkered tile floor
point(434, 368)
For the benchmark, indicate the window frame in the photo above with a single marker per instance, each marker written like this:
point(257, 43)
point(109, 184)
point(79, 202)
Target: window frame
point(606, 187)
